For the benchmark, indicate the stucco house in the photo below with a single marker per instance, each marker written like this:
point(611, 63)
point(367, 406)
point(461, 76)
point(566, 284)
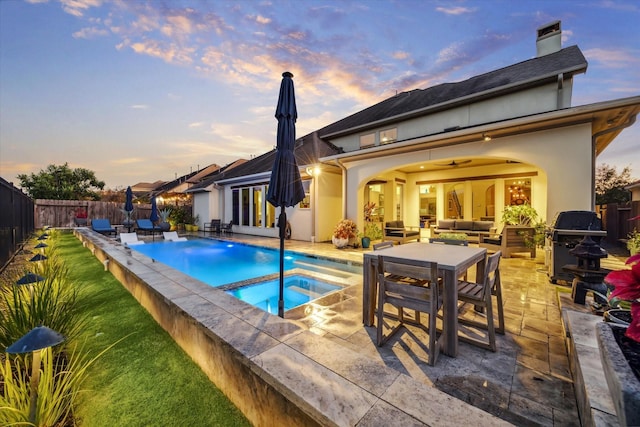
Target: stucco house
point(457, 150)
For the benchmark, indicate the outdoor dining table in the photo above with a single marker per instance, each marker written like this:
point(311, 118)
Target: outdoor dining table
point(453, 261)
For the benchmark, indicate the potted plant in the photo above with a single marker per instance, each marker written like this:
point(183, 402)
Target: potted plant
point(450, 238)
point(371, 232)
point(164, 219)
point(525, 217)
point(633, 244)
point(128, 218)
point(80, 217)
point(620, 346)
point(344, 231)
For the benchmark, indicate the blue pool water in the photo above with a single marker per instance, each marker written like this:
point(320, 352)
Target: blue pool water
point(218, 263)
point(298, 290)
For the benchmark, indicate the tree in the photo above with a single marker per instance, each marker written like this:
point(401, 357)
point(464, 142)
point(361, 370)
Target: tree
point(62, 183)
point(610, 185)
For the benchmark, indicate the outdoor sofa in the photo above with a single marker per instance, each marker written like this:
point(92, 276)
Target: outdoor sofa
point(512, 239)
point(398, 232)
point(473, 229)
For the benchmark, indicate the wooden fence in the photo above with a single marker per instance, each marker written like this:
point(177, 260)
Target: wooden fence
point(615, 219)
point(61, 213)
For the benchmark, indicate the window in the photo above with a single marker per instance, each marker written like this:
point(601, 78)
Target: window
point(235, 211)
point(257, 206)
point(245, 206)
point(271, 212)
point(306, 202)
point(517, 192)
point(428, 200)
point(368, 140)
point(389, 135)
point(455, 201)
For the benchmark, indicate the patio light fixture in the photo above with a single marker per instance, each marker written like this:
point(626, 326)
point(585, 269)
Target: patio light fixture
point(36, 340)
point(38, 257)
point(486, 137)
point(313, 170)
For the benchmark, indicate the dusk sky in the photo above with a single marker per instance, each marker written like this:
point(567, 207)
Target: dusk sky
point(144, 90)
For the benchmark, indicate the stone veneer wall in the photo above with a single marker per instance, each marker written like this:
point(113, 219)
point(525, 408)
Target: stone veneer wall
point(228, 368)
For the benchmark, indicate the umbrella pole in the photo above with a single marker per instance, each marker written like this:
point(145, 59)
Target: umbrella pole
point(282, 222)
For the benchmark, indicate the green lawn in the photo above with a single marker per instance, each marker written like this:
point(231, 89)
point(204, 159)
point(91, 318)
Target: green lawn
point(146, 379)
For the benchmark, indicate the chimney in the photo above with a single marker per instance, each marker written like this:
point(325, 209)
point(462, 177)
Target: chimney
point(549, 39)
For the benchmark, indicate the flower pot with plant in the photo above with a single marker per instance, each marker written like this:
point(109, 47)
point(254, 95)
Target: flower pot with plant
point(633, 243)
point(80, 218)
point(525, 219)
point(344, 231)
point(164, 219)
point(451, 238)
point(620, 346)
point(371, 233)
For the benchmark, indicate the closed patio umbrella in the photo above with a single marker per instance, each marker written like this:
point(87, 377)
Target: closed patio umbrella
point(128, 208)
point(154, 217)
point(285, 186)
point(154, 211)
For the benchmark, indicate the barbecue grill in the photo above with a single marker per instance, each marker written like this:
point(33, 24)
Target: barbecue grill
point(565, 233)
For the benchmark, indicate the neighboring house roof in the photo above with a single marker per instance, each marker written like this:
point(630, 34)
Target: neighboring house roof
point(307, 151)
point(635, 184)
point(202, 185)
point(203, 173)
point(145, 187)
point(533, 72)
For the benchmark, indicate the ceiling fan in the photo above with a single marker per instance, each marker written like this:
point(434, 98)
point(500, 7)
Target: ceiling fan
point(453, 163)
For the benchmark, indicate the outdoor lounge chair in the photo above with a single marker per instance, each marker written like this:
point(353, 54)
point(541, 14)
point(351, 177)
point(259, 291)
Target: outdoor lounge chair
point(130, 239)
point(213, 226)
point(173, 236)
point(147, 226)
point(102, 226)
point(227, 228)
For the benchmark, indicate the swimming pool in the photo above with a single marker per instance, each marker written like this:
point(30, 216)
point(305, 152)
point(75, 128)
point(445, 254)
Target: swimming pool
point(298, 290)
point(219, 263)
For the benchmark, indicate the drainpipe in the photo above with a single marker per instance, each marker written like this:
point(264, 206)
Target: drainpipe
point(344, 187)
point(559, 103)
point(628, 123)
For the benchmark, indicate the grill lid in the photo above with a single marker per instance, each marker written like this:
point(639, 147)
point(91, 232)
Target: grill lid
point(577, 220)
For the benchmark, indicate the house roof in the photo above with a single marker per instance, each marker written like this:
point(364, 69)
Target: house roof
point(203, 184)
point(203, 173)
point(308, 150)
point(532, 72)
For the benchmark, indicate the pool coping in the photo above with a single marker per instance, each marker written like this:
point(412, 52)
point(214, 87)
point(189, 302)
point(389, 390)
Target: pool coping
point(276, 371)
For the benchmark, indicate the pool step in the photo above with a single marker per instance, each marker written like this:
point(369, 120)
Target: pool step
point(321, 269)
point(303, 291)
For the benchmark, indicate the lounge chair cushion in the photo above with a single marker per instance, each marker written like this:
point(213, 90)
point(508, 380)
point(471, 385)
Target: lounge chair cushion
point(173, 236)
point(130, 239)
point(102, 226)
point(463, 225)
point(446, 224)
point(482, 225)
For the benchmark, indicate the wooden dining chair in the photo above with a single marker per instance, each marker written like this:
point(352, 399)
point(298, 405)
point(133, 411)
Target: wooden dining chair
point(409, 284)
point(455, 242)
point(479, 294)
point(382, 245)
